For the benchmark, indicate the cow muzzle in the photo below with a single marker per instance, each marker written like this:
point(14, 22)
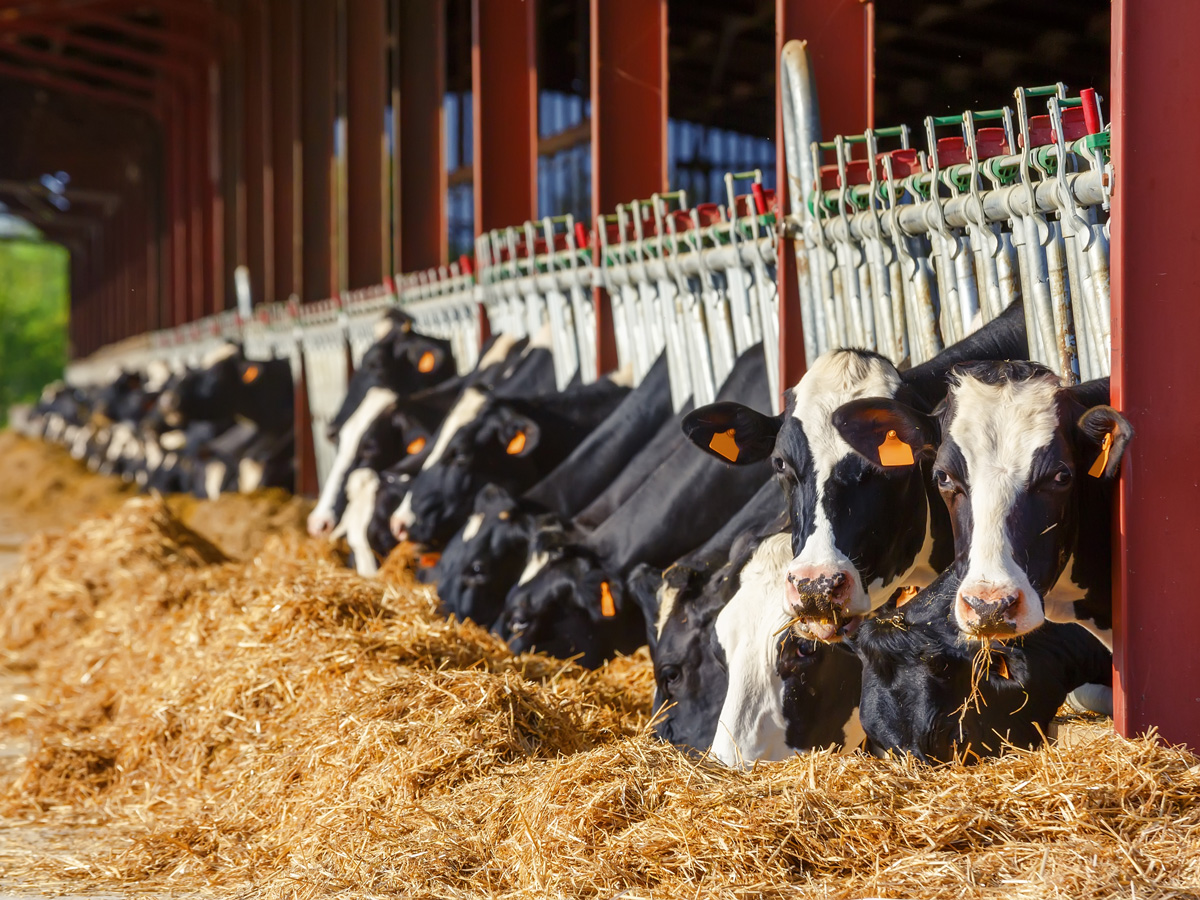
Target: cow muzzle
point(320, 524)
point(818, 601)
point(989, 610)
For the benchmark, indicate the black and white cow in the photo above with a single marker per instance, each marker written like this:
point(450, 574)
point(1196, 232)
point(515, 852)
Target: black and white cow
point(504, 440)
point(571, 597)
point(858, 530)
point(680, 607)
point(932, 691)
point(1027, 468)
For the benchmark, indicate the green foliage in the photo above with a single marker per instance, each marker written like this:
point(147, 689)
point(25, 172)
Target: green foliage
point(34, 301)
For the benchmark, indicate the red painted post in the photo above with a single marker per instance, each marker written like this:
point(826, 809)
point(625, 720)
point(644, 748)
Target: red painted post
point(285, 149)
point(504, 99)
point(257, 164)
point(629, 118)
point(419, 135)
point(366, 184)
point(839, 35)
point(1155, 283)
point(318, 32)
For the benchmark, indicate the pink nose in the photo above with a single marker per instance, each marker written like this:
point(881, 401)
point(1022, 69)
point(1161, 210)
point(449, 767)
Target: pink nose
point(817, 593)
point(399, 530)
point(319, 526)
point(989, 609)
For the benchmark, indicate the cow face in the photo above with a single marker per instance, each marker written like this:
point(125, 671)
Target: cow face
point(681, 608)
point(484, 559)
point(565, 604)
point(400, 361)
point(482, 441)
point(1017, 449)
point(205, 393)
point(857, 528)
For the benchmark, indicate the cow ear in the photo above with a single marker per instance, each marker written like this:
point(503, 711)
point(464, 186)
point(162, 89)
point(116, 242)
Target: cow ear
point(887, 433)
point(1106, 433)
point(603, 597)
point(732, 432)
point(519, 435)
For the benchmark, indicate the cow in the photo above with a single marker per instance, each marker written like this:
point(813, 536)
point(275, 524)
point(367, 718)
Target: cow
point(858, 530)
point(401, 361)
point(680, 607)
point(930, 690)
point(1026, 467)
point(501, 439)
point(484, 558)
point(571, 597)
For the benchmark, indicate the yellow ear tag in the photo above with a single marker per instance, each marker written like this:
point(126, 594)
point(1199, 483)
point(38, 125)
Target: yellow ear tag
point(906, 594)
point(894, 452)
point(502, 515)
point(406, 327)
point(517, 444)
point(608, 609)
point(1001, 668)
point(250, 374)
point(415, 446)
point(724, 443)
point(1101, 462)
point(426, 362)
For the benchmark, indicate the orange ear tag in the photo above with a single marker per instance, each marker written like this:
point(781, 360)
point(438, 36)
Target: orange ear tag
point(725, 443)
point(1101, 462)
point(894, 452)
point(415, 446)
point(502, 515)
point(250, 374)
point(426, 362)
point(906, 594)
point(428, 560)
point(1001, 668)
point(517, 444)
point(608, 609)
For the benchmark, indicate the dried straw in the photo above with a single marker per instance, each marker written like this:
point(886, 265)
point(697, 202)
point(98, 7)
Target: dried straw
point(280, 727)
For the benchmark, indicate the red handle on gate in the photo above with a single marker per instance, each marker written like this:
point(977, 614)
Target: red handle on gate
point(581, 236)
point(760, 199)
point(465, 265)
point(1091, 110)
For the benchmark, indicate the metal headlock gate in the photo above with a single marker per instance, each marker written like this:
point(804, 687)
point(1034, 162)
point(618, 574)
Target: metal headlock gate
point(899, 250)
point(904, 252)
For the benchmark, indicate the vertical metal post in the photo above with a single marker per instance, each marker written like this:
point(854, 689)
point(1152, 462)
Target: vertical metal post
point(419, 135)
point(317, 114)
point(840, 35)
point(287, 187)
point(629, 79)
point(366, 98)
point(257, 163)
point(504, 101)
point(1155, 283)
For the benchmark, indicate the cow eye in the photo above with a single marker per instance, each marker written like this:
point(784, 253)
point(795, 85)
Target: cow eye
point(779, 464)
point(944, 481)
point(670, 676)
point(1062, 477)
point(477, 568)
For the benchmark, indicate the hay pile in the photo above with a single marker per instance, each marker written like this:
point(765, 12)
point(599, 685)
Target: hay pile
point(280, 726)
point(41, 486)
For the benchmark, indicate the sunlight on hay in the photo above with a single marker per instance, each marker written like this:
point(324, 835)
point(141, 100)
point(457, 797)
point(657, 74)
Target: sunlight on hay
point(275, 724)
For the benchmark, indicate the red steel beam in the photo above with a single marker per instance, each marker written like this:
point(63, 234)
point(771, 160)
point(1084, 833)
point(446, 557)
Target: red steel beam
point(285, 149)
point(66, 85)
point(257, 165)
point(840, 44)
point(629, 79)
point(504, 101)
point(419, 135)
point(145, 85)
point(366, 181)
point(320, 255)
point(1155, 283)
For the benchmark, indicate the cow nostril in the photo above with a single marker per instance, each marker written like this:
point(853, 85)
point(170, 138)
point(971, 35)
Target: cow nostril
point(837, 579)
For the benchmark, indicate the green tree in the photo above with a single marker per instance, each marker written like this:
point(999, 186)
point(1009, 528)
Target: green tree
point(34, 302)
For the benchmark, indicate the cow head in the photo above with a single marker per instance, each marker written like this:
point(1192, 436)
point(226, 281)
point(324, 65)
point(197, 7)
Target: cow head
point(483, 440)
point(857, 528)
point(1017, 449)
point(485, 557)
point(565, 603)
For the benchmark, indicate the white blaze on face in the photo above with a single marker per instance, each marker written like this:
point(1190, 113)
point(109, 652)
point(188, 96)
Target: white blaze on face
point(668, 596)
point(173, 440)
point(474, 523)
point(158, 373)
point(622, 377)
point(835, 379)
point(536, 563)
point(250, 475)
point(373, 403)
point(543, 340)
point(999, 429)
point(382, 328)
point(214, 477)
point(496, 353)
point(361, 488)
point(752, 725)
